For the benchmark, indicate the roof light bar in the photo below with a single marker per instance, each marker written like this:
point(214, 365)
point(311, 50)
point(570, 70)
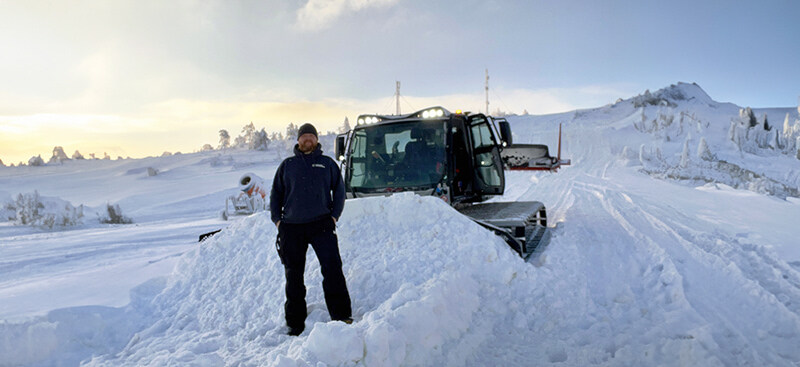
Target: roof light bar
point(433, 113)
point(366, 120)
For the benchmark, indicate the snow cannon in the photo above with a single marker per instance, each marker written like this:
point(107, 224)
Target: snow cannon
point(251, 184)
point(251, 198)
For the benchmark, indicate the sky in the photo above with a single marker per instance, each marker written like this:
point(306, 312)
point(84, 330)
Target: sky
point(138, 78)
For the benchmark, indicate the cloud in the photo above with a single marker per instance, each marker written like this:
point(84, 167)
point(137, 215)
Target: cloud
point(320, 14)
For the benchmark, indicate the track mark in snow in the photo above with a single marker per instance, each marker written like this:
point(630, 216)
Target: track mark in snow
point(706, 271)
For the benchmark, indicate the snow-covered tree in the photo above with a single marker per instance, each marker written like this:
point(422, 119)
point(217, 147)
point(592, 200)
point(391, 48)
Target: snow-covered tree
point(36, 161)
point(1, 163)
point(166, 154)
point(248, 130)
point(685, 154)
point(106, 156)
point(259, 140)
point(345, 126)
point(291, 131)
point(756, 136)
point(765, 123)
point(772, 139)
point(206, 148)
point(58, 155)
point(650, 157)
point(77, 155)
point(748, 116)
point(703, 152)
point(240, 142)
point(224, 139)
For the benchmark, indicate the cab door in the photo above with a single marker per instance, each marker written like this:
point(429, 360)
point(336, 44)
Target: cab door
point(489, 175)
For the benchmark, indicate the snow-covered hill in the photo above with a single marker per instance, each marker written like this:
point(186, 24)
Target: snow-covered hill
point(658, 257)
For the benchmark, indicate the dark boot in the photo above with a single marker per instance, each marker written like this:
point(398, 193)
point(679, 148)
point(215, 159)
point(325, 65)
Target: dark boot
point(295, 331)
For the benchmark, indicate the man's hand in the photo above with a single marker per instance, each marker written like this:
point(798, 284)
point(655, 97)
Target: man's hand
point(334, 220)
point(278, 224)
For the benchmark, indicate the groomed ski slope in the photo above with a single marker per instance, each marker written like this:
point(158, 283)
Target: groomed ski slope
point(639, 271)
point(628, 279)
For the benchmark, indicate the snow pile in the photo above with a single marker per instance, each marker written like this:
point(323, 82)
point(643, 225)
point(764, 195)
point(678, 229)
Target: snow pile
point(425, 292)
point(30, 209)
point(67, 336)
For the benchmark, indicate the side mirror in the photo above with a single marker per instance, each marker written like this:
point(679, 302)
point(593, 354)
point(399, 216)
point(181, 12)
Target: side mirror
point(338, 149)
point(505, 132)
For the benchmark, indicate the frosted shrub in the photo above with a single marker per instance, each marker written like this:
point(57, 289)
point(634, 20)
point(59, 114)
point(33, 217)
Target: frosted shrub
point(32, 210)
point(113, 215)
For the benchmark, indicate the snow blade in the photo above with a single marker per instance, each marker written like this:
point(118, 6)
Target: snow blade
point(536, 239)
point(533, 157)
point(522, 224)
point(207, 235)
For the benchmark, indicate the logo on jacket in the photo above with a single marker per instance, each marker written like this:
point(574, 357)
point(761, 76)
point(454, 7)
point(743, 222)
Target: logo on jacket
point(318, 165)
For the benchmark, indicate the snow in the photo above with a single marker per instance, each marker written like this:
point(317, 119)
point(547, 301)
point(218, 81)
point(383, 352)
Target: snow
point(643, 268)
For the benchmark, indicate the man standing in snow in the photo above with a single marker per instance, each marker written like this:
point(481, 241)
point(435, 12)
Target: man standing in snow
point(307, 199)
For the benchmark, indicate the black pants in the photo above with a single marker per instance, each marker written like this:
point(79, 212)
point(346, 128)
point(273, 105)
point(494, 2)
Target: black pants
point(294, 240)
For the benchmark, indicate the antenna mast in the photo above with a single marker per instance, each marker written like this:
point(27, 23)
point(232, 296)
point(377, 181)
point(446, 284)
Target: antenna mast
point(487, 91)
point(397, 96)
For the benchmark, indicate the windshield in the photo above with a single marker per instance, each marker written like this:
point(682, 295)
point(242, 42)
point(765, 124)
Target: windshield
point(403, 155)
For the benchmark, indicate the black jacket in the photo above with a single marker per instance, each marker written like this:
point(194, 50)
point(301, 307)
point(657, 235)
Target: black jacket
point(306, 188)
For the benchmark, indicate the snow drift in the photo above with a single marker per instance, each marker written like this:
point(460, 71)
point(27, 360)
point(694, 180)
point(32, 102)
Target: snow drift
point(423, 289)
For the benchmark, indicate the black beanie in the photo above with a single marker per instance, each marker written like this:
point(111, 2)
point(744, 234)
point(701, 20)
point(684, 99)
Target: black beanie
point(307, 129)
